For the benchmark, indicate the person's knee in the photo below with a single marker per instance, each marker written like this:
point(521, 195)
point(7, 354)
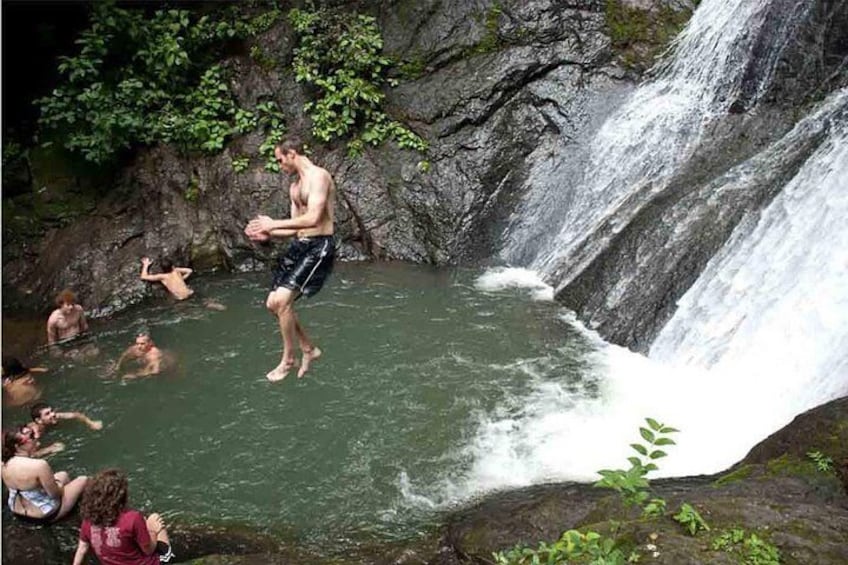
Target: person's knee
point(279, 304)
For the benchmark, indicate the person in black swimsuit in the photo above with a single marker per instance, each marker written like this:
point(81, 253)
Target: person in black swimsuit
point(308, 262)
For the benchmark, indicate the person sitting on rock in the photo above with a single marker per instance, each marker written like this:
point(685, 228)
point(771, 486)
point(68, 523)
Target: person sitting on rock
point(45, 416)
point(146, 354)
point(19, 385)
point(117, 533)
point(173, 279)
point(36, 494)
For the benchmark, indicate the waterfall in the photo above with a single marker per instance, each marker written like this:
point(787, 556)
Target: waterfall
point(773, 305)
point(761, 335)
point(640, 147)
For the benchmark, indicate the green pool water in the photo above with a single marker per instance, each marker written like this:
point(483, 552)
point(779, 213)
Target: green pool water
point(413, 359)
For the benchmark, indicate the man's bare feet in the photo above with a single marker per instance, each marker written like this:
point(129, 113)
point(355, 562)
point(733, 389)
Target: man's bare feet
point(280, 371)
point(309, 356)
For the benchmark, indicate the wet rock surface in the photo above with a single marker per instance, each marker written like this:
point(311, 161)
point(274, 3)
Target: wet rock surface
point(776, 491)
point(490, 83)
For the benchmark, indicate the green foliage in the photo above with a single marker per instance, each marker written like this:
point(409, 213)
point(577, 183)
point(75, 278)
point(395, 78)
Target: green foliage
point(751, 549)
point(273, 124)
point(691, 521)
point(632, 483)
point(822, 461)
point(240, 164)
point(262, 59)
point(424, 166)
point(590, 547)
point(192, 191)
point(339, 57)
point(143, 78)
point(490, 41)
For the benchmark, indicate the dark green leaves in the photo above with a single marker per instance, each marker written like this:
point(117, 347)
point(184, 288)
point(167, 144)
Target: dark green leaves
point(339, 57)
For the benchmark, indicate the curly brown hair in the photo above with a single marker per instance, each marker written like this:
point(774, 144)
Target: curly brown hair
point(105, 497)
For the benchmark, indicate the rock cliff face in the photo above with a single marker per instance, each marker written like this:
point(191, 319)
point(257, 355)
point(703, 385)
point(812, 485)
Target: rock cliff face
point(626, 276)
point(492, 83)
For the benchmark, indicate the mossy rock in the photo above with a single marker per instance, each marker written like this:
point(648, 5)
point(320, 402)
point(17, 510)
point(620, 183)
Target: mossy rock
point(638, 35)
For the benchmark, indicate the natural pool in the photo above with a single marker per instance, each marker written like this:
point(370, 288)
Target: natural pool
point(371, 446)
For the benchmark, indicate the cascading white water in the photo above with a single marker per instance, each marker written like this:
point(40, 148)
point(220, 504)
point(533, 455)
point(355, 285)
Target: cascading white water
point(761, 336)
point(656, 130)
point(774, 304)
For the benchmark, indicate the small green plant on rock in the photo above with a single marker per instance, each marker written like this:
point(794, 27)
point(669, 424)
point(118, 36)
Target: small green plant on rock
point(632, 483)
point(573, 546)
point(240, 164)
point(633, 486)
point(192, 191)
point(822, 461)
point(689, 518)
point(751, 549)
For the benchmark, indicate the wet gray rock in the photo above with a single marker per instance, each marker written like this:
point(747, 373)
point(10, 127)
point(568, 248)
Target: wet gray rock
point(496, 82)
point(775, 492)
point(624, 279)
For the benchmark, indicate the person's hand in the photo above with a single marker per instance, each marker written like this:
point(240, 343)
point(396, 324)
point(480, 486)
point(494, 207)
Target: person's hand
point(146, 261)
point(96, 425)
point(157, 522)
point(54, 448)
point(255, 230)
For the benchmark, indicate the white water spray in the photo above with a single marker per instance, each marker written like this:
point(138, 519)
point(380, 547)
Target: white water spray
point(760, 337)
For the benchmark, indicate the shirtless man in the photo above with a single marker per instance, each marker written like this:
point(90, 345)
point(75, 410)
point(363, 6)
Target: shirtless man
point(145, 352)
point(45, 416)
point(67, 320)
point(307, 263)
point(173, 278)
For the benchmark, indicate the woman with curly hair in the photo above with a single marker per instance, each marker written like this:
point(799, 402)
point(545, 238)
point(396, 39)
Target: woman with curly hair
point(119, 535)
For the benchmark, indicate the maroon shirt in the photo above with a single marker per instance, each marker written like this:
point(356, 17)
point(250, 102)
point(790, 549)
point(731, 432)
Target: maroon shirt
point(121, 543)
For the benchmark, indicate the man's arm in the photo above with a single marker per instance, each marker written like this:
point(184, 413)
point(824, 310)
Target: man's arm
point(123, 358)
point(145, 276)
point(52, 329)
point(79, 416)
point(153, 367)
point(319, 191)
point(51, 449)
point(184, 272)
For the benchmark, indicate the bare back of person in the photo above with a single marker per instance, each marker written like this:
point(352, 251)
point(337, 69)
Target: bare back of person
point(176, 285)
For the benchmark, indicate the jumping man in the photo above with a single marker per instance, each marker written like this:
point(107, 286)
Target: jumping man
point(308, 261)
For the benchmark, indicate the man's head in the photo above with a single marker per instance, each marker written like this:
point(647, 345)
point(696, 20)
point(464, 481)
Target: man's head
point(66, 300)
point(143, 343)
point(43, 414)
point(167, 265)
point(287, 151)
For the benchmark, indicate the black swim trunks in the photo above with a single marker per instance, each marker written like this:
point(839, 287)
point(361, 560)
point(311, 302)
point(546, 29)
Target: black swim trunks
point(305, 265)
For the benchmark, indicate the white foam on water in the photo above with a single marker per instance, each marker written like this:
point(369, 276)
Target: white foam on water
point(502, 278)
point(760, 337)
